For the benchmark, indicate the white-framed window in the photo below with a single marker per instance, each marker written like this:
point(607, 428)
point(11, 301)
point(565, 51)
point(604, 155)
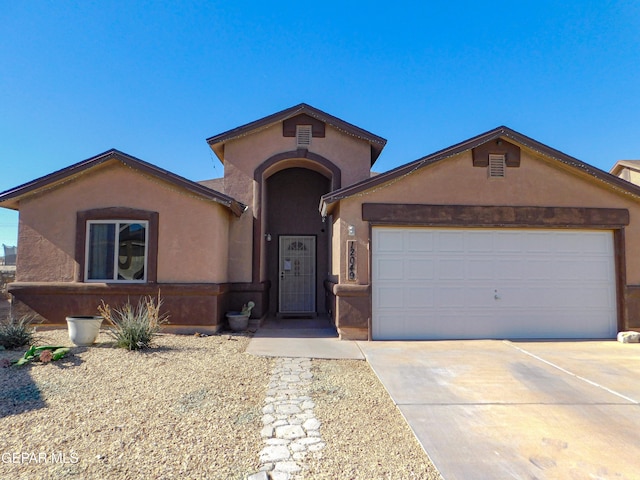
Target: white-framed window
point(497, 166)
point(116, 251)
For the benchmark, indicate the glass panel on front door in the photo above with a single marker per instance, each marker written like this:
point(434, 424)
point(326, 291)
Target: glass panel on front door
point(297, 262)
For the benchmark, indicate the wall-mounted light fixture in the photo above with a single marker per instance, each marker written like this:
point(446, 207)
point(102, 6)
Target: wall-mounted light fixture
point(351, 230)
point(267, 236)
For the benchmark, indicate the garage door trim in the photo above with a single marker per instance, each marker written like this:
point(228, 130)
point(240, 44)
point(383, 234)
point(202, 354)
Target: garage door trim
point(615, 262)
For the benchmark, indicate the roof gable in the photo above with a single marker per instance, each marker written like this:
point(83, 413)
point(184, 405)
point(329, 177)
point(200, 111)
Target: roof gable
point(11, 198)
point(501, 132)
point(622, 164)
point(217, 142)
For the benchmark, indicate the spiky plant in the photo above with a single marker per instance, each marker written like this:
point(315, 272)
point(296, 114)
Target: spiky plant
point(17, 333)
point(132, 327)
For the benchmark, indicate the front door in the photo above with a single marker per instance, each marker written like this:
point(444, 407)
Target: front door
point(297, 285)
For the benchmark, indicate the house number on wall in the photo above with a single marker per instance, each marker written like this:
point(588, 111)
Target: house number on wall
point(351, 260)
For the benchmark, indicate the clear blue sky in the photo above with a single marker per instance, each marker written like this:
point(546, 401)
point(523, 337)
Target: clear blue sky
point(155, 79)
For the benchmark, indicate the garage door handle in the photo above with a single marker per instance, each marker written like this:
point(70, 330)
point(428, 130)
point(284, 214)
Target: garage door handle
point(496, 296)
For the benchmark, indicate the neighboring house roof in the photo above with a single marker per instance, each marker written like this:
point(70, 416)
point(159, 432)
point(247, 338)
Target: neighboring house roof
point(216, 184)
point(621, 164)
point(217, 141)
point(11, 198)
point(499, 132)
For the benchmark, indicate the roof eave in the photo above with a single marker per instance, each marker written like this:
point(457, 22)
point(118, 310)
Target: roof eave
point(469, 144)
point(216, 142)
point(11, 198)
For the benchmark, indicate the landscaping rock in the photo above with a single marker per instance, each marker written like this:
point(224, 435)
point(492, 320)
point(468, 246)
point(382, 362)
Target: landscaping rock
point(259, 476)
point(629, 337)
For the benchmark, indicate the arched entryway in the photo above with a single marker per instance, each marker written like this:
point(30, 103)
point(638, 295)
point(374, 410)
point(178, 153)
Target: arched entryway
point(296, 241)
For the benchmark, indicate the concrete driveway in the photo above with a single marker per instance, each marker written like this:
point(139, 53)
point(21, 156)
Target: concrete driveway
point(492, 409)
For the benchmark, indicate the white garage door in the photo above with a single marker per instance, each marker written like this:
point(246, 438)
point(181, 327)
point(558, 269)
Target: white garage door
point(431, 283)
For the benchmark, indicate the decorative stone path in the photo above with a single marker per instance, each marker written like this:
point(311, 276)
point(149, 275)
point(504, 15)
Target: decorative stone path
point(291, 431)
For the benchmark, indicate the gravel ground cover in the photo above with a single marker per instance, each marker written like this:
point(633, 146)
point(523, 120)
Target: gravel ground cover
point(189, 408)
point(367, 437)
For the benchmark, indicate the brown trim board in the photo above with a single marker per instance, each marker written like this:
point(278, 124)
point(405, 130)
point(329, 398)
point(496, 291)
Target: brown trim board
point(494, 216)
point(619, 249)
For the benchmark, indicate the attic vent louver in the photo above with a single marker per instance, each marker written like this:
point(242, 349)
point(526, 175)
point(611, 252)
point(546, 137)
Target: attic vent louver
point(303, 136)
point(496, 166)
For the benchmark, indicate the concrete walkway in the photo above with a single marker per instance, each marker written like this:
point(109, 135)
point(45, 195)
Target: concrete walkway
point(301, 338)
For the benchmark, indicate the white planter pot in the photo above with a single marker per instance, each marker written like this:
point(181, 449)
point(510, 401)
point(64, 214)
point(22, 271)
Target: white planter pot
point(84, 329)
point(237, 321)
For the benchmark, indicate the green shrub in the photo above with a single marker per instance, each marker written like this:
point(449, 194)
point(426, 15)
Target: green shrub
point(132, 327)
point(17, 333)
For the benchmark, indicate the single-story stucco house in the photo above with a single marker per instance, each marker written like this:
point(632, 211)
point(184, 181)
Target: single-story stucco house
point(498, 236)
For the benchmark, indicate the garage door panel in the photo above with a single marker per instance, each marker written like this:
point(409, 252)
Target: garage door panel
point(480, 241)
point(390, 297)
point(509, 242)
point(588, 297)
point(598, 270)
point(538, 269)
point(511, 268)
point(451, 241)
point(451, 269)
point(390, 242)
point(420, 269)
point(390, 269)
point(596, 244)
point(537, 243)
point(420, 242)
point(480, 269)
point(451, 297)
point(484, 283)
point(419, 298)
point(387, 326)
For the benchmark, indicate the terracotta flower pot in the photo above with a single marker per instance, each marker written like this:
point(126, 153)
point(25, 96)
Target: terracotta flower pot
point(84, 329)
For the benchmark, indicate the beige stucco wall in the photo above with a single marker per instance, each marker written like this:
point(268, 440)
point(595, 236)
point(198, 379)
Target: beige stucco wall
point(244, 155)
point(351, 155)
point(193, 238)
point(537, 182)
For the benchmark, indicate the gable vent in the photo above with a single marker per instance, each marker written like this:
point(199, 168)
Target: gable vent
point(303, 136)
point(496, 166)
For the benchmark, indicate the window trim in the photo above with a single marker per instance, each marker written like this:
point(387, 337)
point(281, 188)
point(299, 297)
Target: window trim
point(114, 214)
point(118, 223)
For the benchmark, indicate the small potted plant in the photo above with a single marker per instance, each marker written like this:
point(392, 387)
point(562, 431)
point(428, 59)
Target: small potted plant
point(239, 321)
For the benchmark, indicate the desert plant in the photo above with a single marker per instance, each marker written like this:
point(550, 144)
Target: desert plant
point(247, 307)
point(17, 333)
point(44, 354)
point(132, 327)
